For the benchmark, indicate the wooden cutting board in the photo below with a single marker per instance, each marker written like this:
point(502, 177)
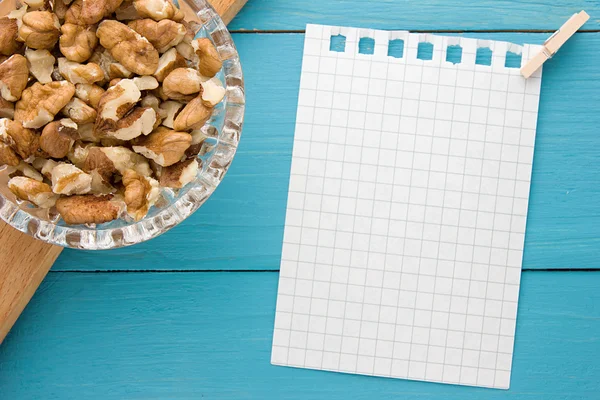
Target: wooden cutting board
point(24, 261)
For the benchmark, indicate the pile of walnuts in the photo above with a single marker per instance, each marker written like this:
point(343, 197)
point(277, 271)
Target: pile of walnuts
point(101, 104)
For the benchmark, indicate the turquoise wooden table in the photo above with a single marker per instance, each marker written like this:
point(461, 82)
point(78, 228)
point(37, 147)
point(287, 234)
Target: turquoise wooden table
point(190, 314)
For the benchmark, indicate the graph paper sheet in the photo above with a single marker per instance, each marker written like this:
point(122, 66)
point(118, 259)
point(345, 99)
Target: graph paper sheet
point(406, 212)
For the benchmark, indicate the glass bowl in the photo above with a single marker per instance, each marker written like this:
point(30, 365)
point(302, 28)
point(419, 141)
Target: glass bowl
point(222, 132)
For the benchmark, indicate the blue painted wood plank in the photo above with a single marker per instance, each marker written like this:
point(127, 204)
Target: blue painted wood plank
point(208, 335)
point(408, 15)
point(241, 226)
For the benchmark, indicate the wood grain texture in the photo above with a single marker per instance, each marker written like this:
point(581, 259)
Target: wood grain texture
point(24, 262)
point(227, 9)
point(410, 15)
point(208, 335)
point(241, 225)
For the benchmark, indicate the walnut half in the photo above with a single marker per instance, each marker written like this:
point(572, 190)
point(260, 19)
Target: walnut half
point(163, 146)
point(9, 30)
point(40, 103)
point(40, 30)
point(140, 193)
point(128, 47)
point(34, 191)
point(14, 75)
point(180, 174)
point(58, 138)
point(77, 43)
point(88, 209)
point(163, 35)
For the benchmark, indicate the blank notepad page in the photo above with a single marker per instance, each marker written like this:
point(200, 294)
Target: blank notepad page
point(407, 207)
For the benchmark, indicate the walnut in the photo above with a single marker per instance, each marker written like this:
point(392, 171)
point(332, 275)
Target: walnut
point(182, 82)
point(36, 192)
point(80, 73)
point(140, 193)
point(171, 110)
point(25, 142)
point(90, 94)
point(163, 35)
point(79, 112)
point(90, 12)
point(40, 103)
point(140, 121)
point(7, 109)
point(209, 61)
point(178, 175)
point(167, 63)
point(158, 9)
point(67, 179)
point(115, 103)
point(9, 31)
point(77, 43)
point(40, 30)
point(96, 160)
point(193, 116)
point(128, 47)
point(213, 92)
point(58, 138)
point(14, 75)
point(41, 64)
point(124, 159)
point(165, 146)
point(8, 156)
point(88, 209)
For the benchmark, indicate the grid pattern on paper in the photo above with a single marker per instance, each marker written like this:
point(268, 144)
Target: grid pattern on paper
point(406, 212)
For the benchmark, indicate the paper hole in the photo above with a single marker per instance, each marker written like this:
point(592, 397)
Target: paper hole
point(337, 43)
point(483, 56)
point(396, 48)
point(513, 60)
point(425, 51)
point(366, 45)
point(454, 54)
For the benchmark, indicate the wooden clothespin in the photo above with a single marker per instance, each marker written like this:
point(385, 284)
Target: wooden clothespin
point(554, 42)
